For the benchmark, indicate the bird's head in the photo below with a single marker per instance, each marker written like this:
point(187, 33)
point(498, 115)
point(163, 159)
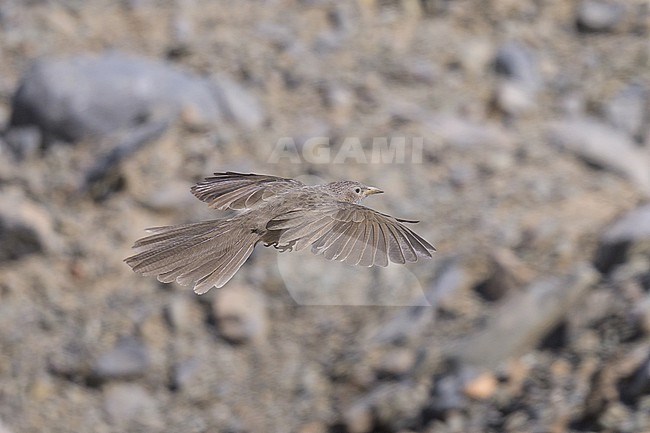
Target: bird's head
point(350, 191)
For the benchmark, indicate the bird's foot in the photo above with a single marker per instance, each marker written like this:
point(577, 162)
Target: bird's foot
point(281, 248)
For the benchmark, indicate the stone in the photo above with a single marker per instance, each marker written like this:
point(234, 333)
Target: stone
point(25, 227)
point(240, 314)
point(24, 142)
point(128, 358)
point(508, 275)
point(397, 362)
point(84, 96)
point(631, 232)
point(599, 15)
point(183, 373)
point(178, 313)
point(238, 105)
point(604, 146)
point(125, 403)
point(626, 110)
point(518, 325)
point(513, 98)
point(516, 62)
point(481, 387)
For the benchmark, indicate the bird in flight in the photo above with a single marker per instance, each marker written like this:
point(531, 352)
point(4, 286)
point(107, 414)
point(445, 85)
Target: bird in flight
point(283, 213)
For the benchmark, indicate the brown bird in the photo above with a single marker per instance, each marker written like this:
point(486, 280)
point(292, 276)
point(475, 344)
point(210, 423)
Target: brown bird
point(283, 213)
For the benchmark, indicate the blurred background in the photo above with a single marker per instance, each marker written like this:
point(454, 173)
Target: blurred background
point(533, 183)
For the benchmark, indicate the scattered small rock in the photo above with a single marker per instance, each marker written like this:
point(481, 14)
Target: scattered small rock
point(183, 373)
point(508, 275)
point(238, 104)
point(604, 146)
point(125, 403)
point(627, 110)
point(518, 63)
point(240, 313)
point(630, 233)
point(25, 227)
point(599, 16)
point(481, 387)
point(524, 319)
point(396, 362)
point(178, 313)
point(129, 358)
point(358, 418)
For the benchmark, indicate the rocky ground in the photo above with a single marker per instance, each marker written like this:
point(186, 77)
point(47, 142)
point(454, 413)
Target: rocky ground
point(533, 183)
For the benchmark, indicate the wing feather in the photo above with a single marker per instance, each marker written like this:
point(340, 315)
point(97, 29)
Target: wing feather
point(352, 234)
point(239, 191)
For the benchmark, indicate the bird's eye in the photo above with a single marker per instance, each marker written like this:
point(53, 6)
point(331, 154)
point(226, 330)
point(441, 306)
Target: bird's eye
point(357, 190)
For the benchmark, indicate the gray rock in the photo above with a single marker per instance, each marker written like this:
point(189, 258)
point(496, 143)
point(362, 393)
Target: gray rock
point(25, 227)
point(24, 142)
point(77, 97)
point(514, 98)
point(636, 384)
point(396, 362)
point(518, 63)
point(126, 403)
point(129, 358)
point(627, 110)
point(183, 373)
point(448, 283)
point(629, 233)
point(4, 428)
point(599, 16)
point(178, 313)
point(521, 79)
point(238, 105)
point(388, 407)
point(508, 274)
point(519, 324)
point(604, 146)
point(241, 314)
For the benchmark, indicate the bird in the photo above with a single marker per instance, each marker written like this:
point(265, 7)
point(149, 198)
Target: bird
point(282, 213)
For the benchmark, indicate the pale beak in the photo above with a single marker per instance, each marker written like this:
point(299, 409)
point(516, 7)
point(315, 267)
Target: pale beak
point(372, 190)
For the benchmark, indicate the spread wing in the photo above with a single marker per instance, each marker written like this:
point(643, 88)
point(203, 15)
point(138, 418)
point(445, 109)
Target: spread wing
point(351, 233)
point(239, 191)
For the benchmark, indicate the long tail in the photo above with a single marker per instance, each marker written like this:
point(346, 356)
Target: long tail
point(206, 254)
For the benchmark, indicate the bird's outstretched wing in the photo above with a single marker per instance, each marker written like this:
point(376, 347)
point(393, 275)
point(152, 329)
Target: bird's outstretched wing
point(239, 191)
point(350, 233)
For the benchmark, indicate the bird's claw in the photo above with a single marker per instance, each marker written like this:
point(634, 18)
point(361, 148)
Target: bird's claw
point(281, 248)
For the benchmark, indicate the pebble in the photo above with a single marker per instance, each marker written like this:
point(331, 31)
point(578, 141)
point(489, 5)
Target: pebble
point(481, 387)
point(25, 227)
point(629, 232)
point(397, 362)
point(358, 418)
point(519, 324)
point(626, 110)
point(598, 15)
point(508, 275)
point(238, 104)
point(129, 358)
point(128, 402)
point(179, 313)
point(24, 142)
point(513, 98)
point(241, 314)
point(518, 63)
point(184, 372)
point(600, 144)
